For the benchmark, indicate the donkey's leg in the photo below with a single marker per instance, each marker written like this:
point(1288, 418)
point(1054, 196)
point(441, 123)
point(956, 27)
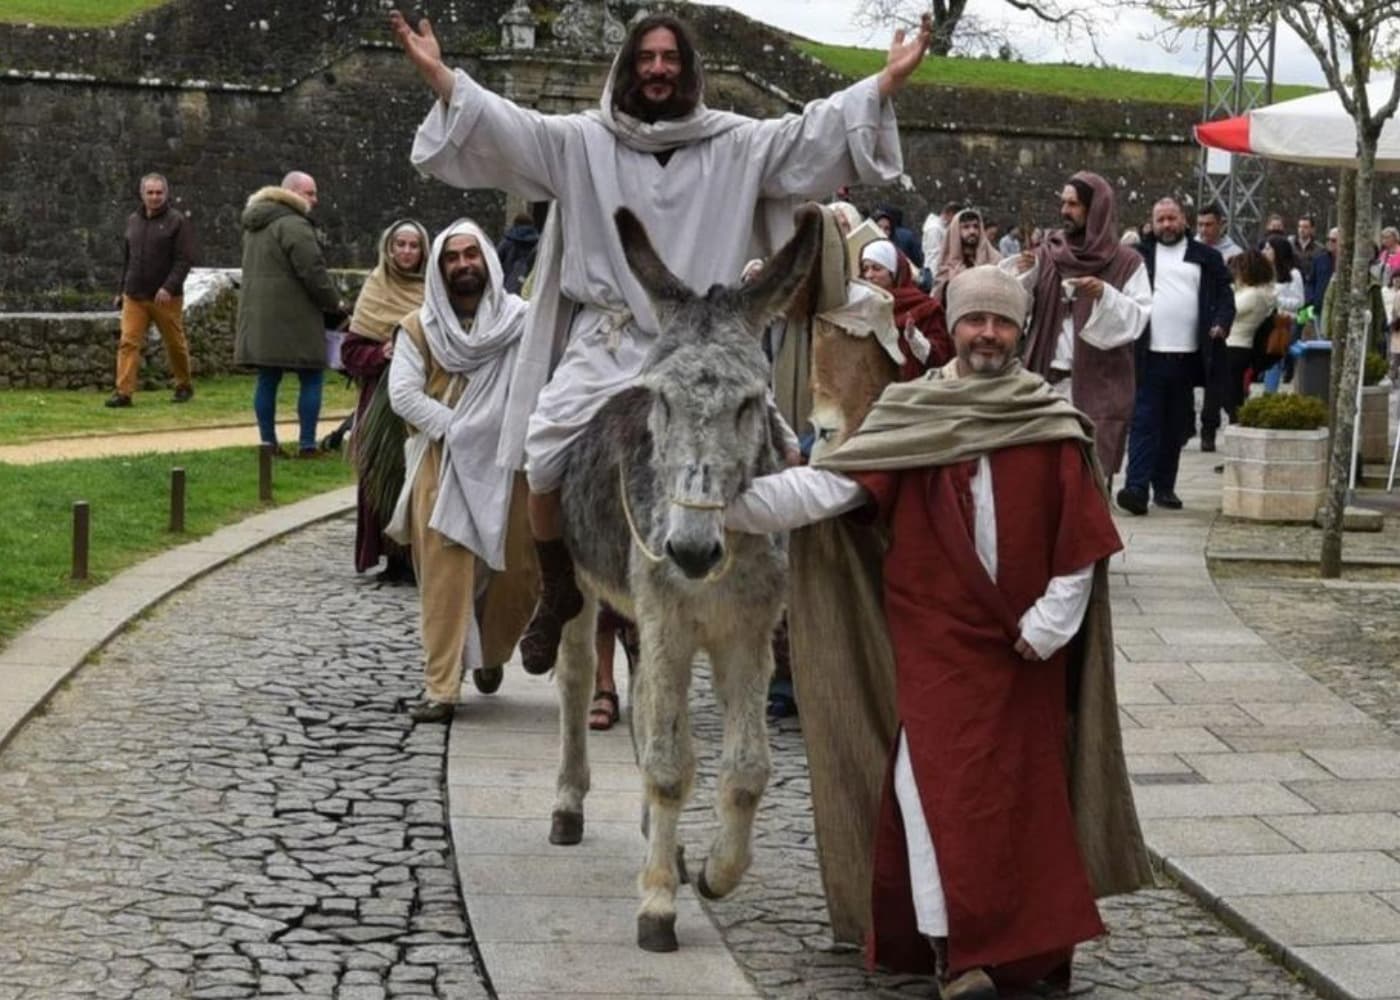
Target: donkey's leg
point(741, 672)
point(668, 767)
point(573, 676)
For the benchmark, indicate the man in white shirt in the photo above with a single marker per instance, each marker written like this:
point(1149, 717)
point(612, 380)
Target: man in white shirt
point(1193, 305)
point(935, 231)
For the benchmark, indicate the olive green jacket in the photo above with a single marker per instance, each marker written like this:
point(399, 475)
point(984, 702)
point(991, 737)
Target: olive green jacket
point(285, 289)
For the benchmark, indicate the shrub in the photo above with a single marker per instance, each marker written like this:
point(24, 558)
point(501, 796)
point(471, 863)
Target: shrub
point(1376, 369)
point(1284, 412)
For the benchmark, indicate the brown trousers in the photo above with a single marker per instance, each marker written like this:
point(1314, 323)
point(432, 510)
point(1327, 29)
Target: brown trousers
point(447, 576)
point(137, 317)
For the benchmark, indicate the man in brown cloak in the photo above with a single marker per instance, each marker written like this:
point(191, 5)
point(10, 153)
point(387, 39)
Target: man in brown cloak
point(1090, 302)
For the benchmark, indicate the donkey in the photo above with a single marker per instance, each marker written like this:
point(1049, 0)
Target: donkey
point(643, 499)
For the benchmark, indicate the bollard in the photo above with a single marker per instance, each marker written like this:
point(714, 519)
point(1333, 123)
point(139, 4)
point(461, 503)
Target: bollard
point(81, 524)
point(177, 500)
point(265, 473)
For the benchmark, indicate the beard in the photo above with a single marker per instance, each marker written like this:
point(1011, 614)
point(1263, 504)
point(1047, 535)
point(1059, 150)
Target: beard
point(1169, 238)
point(1073, 227)
point(985, 365)
point(467, 281)
point(636, 103)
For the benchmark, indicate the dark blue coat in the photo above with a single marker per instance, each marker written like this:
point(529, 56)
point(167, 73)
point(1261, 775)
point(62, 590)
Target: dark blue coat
point(1215, 304)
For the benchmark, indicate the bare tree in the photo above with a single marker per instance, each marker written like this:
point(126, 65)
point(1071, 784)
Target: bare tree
point(954, 27)
point(1350, 39)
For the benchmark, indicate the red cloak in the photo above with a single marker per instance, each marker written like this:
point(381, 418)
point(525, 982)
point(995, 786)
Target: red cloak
point(986, 729)
point(911, 305)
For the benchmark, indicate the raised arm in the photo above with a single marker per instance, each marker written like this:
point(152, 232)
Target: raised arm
point(849, 137)
point(473, 138)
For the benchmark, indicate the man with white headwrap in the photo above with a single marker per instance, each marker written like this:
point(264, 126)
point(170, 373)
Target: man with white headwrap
point(707, 185)
point(450, 380)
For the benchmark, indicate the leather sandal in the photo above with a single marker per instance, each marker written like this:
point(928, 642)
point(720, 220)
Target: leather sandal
point(603, 713)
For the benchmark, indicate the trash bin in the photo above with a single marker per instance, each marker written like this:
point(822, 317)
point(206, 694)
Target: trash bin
point(1313, 374)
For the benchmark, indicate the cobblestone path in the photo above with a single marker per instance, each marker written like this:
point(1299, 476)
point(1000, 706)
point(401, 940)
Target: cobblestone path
point(230, 804)
point(1161, 946)
point(1344, 633)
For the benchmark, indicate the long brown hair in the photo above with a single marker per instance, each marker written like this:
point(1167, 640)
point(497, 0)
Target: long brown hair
point(627, 88)
point(1251, 268)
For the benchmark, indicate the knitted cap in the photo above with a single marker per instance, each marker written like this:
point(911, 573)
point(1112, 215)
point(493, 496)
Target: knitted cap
point(881, 252)
point(986, 289)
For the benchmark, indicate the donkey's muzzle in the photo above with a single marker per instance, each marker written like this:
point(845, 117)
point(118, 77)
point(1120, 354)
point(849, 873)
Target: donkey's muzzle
point(695, 560)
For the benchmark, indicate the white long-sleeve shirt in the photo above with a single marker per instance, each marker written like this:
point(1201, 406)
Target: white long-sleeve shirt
point(1118, 317)
point(803, 495)
point(408, 392)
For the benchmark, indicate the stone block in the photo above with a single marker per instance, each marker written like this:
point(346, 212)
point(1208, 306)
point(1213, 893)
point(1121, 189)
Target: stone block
point(614, 968)
point(1214, 835)
point(1236, 799)
point(1268, 766)
point(1379, 831)
point(1354, 518)
point(1350, 796)
point(499, 919)
point(1178, 740)
point(1273, 475)
point(1361, 971)
point(1283, 874)
point(1364, 763)
point(1253, 738)
point(1320, 918)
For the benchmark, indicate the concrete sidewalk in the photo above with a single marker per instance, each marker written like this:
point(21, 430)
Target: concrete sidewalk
point(561, 921)
point(1270, 798)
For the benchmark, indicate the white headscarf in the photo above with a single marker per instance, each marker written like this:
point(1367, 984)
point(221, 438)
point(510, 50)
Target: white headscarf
point(881, 252)
point(473, 500)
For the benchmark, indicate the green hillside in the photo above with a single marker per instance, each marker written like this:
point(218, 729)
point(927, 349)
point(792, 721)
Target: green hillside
point(1036, 78)
point(73, 13)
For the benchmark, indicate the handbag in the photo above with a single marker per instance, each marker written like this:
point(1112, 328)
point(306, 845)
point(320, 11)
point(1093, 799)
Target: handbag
point(1280, 336)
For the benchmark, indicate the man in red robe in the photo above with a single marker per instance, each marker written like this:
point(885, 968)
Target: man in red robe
point(993, 840)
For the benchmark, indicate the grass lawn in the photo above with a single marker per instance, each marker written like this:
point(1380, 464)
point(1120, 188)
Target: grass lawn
point(130, 505)
point(73, 13)
point(36, 414)
point(1035, 78)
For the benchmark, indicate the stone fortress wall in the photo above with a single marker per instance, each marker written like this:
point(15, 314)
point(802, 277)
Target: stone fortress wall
point(224, 97)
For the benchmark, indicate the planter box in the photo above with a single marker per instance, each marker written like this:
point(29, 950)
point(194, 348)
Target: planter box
point(1274, 475)
point(1375, 423)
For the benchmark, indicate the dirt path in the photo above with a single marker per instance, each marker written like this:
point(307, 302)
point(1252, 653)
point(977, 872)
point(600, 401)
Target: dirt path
point(201, 439)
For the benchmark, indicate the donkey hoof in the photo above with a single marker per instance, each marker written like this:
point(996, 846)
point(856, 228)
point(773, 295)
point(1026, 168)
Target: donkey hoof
point(681, 874)
point(565, 827)
point(656, 933)
point(702, 887)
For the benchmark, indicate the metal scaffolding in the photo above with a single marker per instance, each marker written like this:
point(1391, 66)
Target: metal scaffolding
point(1239, 77)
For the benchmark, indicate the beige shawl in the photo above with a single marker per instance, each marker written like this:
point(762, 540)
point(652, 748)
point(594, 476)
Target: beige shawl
point(390, 293)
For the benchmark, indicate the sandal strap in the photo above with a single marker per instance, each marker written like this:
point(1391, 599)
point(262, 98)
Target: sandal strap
point(609, 695)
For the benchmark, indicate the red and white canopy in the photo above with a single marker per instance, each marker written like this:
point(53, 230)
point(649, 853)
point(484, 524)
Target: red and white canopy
point(1314, 130)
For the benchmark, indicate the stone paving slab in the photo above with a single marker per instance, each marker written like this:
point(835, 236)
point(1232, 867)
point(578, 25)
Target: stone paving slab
point(562, 920)
point(1288, 795)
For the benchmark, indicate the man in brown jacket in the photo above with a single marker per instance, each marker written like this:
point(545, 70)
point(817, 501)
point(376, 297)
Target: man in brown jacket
point(158, 252)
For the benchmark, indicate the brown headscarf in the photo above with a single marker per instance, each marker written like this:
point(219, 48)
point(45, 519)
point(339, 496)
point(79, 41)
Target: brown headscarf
point(951, 264)
point(390, 293)
point(1103, 380)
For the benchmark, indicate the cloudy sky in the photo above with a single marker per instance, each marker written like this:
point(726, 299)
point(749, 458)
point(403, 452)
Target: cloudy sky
point(1128, 44)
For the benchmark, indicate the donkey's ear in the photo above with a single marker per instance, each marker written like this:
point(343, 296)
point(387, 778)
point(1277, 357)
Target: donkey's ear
point(655, 277)
point(784, 272)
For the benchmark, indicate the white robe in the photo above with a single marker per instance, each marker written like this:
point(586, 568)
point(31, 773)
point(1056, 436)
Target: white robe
point(702, 211)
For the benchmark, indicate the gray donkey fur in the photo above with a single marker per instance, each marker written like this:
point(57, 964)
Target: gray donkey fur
point(686, 440)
